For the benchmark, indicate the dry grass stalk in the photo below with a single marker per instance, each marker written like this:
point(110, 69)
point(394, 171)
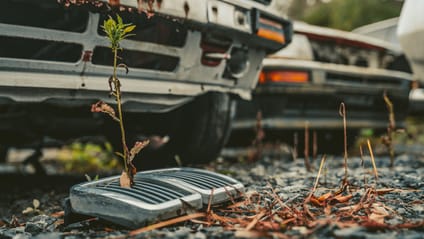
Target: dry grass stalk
point(342, 113)
point(257, 143)
point(268, 216)
point(255, 220)
point(314, 145)
point(361, 151)
point(167, 223)
point(308, 199)
point(319, 174)
point(391, 128)
point(306, 150)
point(373, 161)
point(295, 145)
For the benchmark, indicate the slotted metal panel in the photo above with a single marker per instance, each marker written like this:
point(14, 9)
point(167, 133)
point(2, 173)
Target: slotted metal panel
point(217, 187)
point(147, 201)
point(156, 195)
point(146, 190)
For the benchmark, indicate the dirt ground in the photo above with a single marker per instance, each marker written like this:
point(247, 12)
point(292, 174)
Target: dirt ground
point(282, 199)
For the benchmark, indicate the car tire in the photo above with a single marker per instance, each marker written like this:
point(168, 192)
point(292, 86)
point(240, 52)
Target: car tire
point(197, 132)
point(204, 127)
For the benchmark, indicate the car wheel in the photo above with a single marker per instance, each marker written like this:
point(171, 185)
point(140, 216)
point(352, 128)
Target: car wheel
point(204, 127)
point(197, 133)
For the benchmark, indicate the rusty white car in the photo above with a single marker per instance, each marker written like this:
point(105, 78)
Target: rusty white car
point(305, 83)
point(187, 62)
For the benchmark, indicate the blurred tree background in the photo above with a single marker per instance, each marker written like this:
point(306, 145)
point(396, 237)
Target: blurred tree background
point(343, 14)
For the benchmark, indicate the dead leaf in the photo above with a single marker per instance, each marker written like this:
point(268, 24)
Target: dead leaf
point(138, 146)
point(324, 197)
point(373, 225)
point(384, 191)
point(58, 214)
point(108, 229)
point(340, 199)
point(327, 210)
point(316, 202)
point(125, 180)
point(59, 222)
point(255, 220)
point(410, 225)
point(378, 213)
point(269, 226)
point(101, 106)
point(167, 223)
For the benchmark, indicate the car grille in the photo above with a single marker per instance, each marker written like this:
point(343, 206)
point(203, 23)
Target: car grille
point(265, 2)
point(146, 190)
point(211, 186)
point(156, 195)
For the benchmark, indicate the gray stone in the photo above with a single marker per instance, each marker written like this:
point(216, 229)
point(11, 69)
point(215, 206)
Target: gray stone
point(34, 228)
point(50, 235)
point(199, 235)
point(12, 233)
point(401, 210)
point(351, 233)
point(394, 221)
point(40, 223)
point(413, 235)
point(389, 235)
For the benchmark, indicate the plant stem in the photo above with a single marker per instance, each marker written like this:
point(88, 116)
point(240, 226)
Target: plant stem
point(306, 150)
point(342, 112)
point(118, 100)
point(373, 161)
point(390, 128)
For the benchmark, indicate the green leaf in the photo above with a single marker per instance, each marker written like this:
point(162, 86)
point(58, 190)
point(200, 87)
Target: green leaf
point(129, 29)
point(36, 203)
point(119, 20)
point(28, 210)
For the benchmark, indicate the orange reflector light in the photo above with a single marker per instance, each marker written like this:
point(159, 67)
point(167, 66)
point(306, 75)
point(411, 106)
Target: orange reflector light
point(271, 35)
point(284, 77)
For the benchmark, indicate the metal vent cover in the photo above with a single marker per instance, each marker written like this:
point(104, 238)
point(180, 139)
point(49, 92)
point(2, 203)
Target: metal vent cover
point(156, 195)
point(211, 186)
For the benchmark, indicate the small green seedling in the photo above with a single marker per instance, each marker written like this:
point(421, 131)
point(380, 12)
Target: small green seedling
point(116, 31)
point(34, 209)
point(89, 179)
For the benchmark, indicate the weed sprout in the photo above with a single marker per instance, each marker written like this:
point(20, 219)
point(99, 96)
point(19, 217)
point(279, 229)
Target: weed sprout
point(116, 31)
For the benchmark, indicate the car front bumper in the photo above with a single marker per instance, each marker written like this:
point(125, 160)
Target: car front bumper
point(316, 103)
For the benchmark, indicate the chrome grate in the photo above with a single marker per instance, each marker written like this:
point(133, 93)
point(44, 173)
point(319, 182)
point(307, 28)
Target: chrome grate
point(201, 181)
point(217, 187)
point(147, 190)
point(156, 195)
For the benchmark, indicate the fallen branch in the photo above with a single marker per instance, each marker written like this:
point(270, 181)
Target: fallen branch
point(167, 223)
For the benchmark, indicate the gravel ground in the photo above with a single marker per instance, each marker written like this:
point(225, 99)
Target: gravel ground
point(278, 204)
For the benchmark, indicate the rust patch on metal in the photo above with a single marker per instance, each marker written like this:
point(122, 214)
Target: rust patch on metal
point(149, 10)
point(186, 8)
point(86, 56)
point(114, 3)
